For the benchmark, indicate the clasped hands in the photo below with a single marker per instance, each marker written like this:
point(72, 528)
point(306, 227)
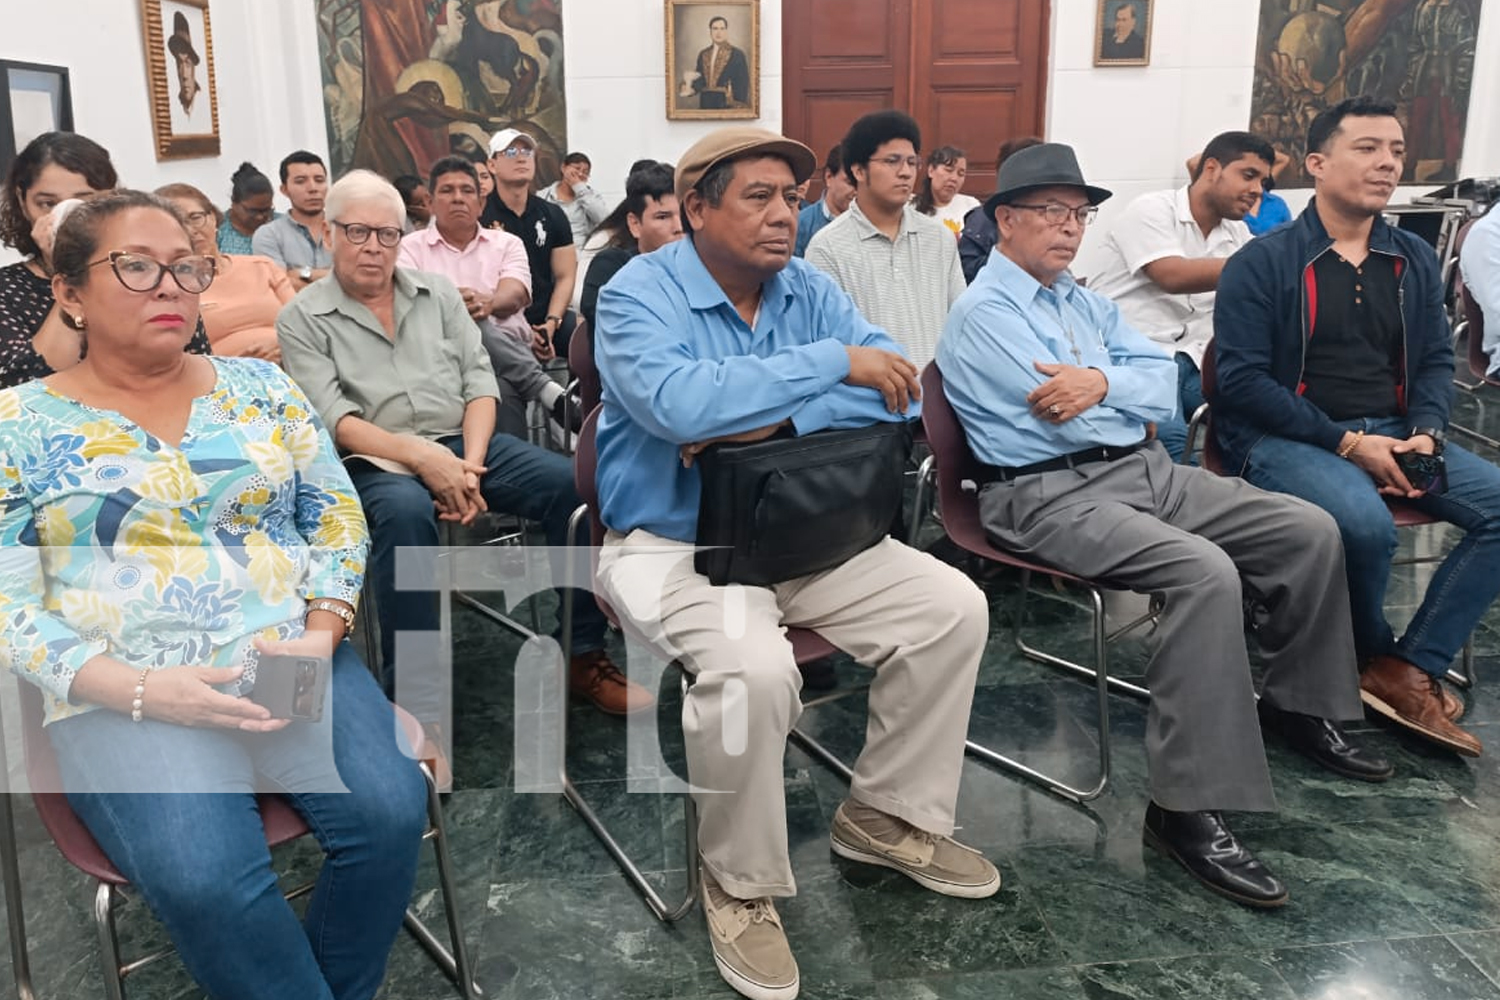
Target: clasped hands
point(453, 483)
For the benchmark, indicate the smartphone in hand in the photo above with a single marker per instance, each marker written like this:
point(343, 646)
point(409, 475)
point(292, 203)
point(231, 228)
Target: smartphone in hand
point(292, 687)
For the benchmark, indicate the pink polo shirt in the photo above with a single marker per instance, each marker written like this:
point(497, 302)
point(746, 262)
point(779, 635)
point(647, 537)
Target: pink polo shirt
point(493, 254)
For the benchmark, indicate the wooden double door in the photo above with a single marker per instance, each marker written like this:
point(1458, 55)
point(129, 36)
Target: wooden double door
point(972, 73)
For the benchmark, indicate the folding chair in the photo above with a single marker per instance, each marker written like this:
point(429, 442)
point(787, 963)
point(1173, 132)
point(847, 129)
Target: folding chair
point(282, 825)
point(581, 363)
point(1403, 513)
point(956, 470)
point(807, 647)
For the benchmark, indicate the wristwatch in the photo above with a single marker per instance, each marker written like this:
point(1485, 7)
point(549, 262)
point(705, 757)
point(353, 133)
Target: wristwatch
point(1439, 439)
point(333, 607)
point(306, 273)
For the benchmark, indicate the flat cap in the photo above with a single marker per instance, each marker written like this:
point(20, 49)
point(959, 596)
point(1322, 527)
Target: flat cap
point(736, 142)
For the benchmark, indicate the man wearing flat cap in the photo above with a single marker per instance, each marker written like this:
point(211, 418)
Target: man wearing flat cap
point(1057, 395)
point(725, 336)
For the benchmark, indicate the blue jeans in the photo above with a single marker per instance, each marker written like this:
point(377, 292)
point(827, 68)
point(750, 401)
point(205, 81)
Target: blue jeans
point(1465, 583)
point(199, 858)
point(1173, 433)
point(522, 479)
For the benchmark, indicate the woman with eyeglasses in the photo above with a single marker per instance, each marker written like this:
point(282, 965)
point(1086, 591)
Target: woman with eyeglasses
point(166, 521)
point(250, 207)
point(239, 309)
point(938, 194)
point(35, 336)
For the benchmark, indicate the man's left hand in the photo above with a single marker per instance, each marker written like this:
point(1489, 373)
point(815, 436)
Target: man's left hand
point(1068, 391)
point(477, 303)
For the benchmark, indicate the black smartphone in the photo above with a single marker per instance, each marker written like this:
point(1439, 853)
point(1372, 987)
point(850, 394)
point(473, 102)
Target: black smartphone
point(292, 687)
point(1428, 473)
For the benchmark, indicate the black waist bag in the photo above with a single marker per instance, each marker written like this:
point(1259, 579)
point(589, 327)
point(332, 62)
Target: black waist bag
point(785, 507)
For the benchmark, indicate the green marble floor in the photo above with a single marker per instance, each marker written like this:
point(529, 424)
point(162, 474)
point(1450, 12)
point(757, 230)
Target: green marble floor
point(1395, 888)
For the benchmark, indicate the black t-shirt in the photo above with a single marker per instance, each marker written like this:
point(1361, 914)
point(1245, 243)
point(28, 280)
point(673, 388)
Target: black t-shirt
point(1354, 355)
point(603, 267)
point(543, 228)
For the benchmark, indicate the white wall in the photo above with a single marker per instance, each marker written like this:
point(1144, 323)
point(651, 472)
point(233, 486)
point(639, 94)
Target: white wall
point(1133, 128)
point(616, 77)
point(266, 67)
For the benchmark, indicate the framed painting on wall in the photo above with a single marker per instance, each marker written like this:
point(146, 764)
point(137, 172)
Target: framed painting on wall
point(1122, 36)
point(713, 59)
point(36, 99)
point(180, 69)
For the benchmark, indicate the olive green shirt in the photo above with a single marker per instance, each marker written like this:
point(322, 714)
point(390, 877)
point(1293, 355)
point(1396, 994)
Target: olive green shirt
point(417, 383)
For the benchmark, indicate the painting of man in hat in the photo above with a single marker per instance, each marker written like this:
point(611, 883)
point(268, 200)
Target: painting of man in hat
point(185, 47)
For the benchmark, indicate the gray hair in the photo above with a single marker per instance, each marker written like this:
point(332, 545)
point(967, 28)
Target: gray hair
point(364, 186)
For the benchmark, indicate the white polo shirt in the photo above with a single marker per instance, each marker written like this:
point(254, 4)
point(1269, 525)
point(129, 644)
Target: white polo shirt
point(1153, 227)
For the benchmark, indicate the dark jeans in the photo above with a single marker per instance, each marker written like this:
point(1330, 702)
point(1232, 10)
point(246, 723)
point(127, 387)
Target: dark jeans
point(1465, 583)
point(522, 479)
point(198, 856)
point(1173, 433)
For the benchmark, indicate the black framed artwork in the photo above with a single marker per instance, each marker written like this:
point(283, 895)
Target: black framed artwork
point(37, 99)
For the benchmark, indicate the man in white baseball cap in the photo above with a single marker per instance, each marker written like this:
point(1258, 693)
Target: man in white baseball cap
point(544, 229)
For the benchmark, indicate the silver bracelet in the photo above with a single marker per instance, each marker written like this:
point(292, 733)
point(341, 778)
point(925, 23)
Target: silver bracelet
point(140, 696)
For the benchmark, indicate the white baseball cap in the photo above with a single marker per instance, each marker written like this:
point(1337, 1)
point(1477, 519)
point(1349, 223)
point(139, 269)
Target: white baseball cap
point(504, 138)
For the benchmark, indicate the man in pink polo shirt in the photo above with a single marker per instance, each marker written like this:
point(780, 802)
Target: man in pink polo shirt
point(490, 269)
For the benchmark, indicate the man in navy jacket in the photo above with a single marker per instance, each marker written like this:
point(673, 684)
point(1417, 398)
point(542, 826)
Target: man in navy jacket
point(1335, 370)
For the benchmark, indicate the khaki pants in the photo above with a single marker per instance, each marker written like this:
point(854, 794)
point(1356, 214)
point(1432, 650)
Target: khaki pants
point(920, 624)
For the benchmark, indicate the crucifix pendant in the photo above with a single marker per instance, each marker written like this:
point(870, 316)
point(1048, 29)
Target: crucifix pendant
point(1077, 355)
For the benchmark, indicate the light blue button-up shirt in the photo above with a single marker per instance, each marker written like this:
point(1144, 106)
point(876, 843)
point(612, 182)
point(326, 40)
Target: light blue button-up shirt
point(679, 365)
point(1005, 323)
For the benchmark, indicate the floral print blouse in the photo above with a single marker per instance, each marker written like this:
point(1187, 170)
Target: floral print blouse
point(113, 542)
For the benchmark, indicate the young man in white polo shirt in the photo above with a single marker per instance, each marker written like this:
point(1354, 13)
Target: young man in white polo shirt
point(1164, 255)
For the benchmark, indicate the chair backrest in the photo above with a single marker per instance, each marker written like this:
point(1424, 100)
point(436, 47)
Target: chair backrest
point(955, 462)
point(1208, 374)
point(581, 360)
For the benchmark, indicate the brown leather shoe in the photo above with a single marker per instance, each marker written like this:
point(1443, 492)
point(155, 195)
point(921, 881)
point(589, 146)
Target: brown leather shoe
point(593, 675)
point(1413, 698)
point(1453, 705)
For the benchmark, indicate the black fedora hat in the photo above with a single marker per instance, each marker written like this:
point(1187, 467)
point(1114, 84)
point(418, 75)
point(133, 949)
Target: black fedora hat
point(1047, 164)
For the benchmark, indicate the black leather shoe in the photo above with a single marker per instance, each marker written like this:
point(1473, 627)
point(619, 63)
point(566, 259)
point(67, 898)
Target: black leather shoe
point(1325, 742)
point(1205, 846)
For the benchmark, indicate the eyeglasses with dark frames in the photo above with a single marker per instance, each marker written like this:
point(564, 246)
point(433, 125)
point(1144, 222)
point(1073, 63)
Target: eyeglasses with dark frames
point(1057, 214)
point(140, 273)
point(359, 234)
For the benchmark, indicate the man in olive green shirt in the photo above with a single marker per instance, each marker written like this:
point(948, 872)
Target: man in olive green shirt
point(395, 366)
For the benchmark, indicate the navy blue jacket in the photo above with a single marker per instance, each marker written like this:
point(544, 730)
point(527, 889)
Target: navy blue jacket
point(1263, 320)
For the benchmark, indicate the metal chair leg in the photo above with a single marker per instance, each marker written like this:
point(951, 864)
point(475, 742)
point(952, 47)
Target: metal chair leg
point(455, 963)
point(109, 942)
point(1115, 683)
point(1466, 678)
point(919, 503)
point(10, 870)
point(1100, 673)
point(667, 912)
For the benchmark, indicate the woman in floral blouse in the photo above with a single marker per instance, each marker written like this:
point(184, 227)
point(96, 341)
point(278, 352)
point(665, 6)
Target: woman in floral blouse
point(165, 518)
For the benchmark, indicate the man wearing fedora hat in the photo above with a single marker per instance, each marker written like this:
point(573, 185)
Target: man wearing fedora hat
point(180, 47)
point(724, 335)
point(1057, 395)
